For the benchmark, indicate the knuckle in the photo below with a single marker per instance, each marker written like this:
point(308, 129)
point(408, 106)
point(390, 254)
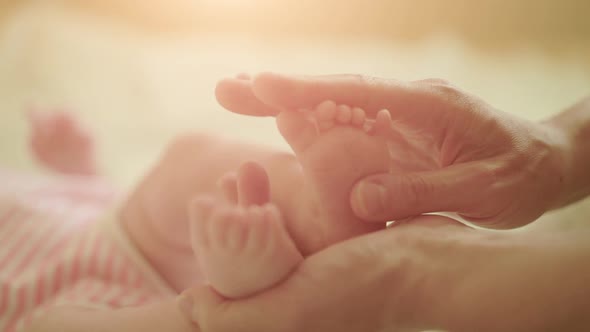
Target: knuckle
point(443, 89)
point(447, 90)
point(443, 93)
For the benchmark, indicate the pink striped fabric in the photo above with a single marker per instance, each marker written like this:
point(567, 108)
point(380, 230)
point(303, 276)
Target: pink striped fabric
point(51, 253)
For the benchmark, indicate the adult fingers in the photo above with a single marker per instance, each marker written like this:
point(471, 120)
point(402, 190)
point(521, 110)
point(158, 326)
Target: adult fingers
point(213, 313)
point(370, 93)
point(235, 94)
point(457, 188)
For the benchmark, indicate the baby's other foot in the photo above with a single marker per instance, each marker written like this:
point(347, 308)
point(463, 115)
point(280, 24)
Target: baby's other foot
point(243, 249)
point(60, 142)
point(336, 146)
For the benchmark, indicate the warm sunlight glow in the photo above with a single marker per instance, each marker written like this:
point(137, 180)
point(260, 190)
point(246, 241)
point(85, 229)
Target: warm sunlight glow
point(230, 3)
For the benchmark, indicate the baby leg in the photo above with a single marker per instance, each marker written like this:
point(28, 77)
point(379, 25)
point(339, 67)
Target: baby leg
point(156, 214)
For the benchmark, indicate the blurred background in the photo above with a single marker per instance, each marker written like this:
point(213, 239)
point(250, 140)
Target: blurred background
point(139, 72)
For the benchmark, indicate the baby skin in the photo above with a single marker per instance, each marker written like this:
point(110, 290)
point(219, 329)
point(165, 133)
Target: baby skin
point(61, 143)
point(307, 209)
point(243, 243)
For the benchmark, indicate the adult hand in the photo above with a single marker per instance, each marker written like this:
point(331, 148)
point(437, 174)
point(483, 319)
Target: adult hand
point(367, 284)
point(455, 152)
point(431, 273)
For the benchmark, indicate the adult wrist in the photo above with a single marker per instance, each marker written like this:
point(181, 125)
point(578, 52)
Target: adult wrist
point(559, 176)
point(526, 279)
point(571, 133)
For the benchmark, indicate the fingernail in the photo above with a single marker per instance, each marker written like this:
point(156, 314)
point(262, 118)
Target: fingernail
point(369, 199)
point(185, 303)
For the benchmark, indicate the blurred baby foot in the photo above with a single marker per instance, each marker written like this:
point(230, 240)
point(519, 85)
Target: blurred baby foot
point(60, 142)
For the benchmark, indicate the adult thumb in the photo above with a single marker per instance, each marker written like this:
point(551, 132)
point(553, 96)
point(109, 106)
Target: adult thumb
point(210, 312)
point(196, 303)
point(386, 196)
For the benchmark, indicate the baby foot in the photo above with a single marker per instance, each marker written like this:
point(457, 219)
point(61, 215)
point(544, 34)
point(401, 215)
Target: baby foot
point(243, 249)
point(336, 146)
point(59, 142)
